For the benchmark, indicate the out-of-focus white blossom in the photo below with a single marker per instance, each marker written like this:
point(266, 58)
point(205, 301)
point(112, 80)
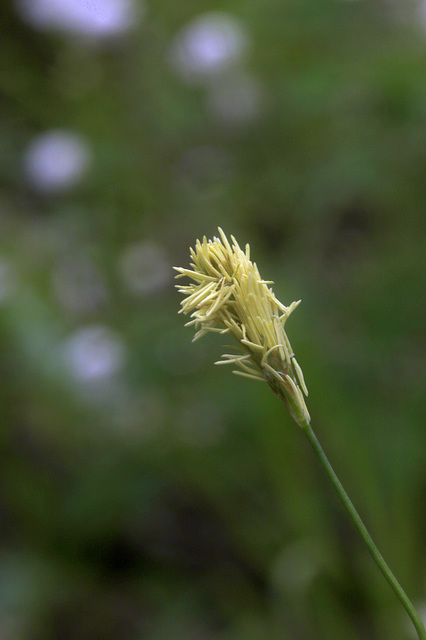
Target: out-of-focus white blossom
point(94, 353)
point(56, 160)
point(207, 46)
point(93, 18)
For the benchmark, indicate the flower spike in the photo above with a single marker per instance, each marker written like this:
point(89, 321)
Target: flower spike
point(228, 295)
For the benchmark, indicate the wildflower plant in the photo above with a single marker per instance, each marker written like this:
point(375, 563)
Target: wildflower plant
point(227, 295)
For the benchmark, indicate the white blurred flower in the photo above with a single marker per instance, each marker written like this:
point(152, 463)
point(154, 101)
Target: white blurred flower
point(94, 18)
point(208, 45)
point(56, 160)
point(94, 353)
point(235, 100)
point(144, 268)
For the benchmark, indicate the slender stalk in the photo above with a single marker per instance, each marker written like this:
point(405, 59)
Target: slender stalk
point(228, 295)
point(406, 603)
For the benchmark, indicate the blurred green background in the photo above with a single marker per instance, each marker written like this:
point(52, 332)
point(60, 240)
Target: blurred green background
point(145, 493)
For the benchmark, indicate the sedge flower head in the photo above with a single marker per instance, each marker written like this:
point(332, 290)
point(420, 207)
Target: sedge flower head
point(228, 295)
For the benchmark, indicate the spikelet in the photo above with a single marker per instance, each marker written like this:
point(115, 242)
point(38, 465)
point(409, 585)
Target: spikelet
point(228, 295)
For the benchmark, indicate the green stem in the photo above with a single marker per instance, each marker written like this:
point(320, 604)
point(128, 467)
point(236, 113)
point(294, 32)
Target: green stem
point(406, 603)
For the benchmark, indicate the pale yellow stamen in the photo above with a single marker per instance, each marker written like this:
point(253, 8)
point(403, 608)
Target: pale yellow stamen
point(228, 295)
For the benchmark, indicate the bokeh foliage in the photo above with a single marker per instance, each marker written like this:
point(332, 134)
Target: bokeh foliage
point(146, 493)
